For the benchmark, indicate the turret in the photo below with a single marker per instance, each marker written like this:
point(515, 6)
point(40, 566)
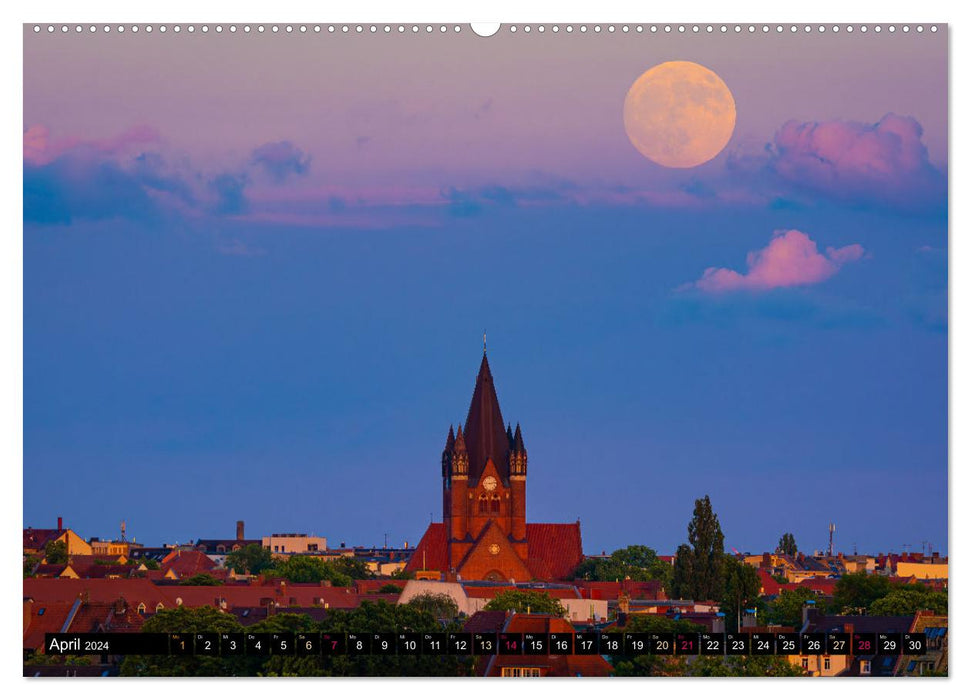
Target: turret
point(517, 454)
point(447, 453)
point(460, 455)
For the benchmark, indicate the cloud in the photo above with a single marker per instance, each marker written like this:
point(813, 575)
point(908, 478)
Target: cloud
point(67, 179)
point(228, 190)
point(280, 160)
point(790, 260)
point(884, 163)
point(41, 149)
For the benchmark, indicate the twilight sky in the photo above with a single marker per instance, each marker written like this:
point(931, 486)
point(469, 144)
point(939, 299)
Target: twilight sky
point(257, 269)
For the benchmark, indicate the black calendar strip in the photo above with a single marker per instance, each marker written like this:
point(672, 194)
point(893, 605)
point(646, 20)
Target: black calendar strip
point(485, 644)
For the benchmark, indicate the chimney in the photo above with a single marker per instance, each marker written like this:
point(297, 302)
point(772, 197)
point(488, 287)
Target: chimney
point(239, 530)
point(808, 611)
point(60, 523)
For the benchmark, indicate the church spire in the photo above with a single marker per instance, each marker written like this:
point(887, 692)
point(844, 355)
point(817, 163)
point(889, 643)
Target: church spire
point(485, 434)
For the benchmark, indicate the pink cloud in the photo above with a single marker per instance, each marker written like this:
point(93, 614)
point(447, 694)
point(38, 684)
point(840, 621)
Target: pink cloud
point(40, 148)
point(886, 161)
point(790, 260)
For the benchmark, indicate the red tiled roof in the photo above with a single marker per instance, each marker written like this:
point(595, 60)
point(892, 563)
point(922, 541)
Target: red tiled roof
point(490, 592)
point(554, 665)
point(554, 550)
point(37, 539)
point(45, 617)
point(255, 596)
point(49, 570)
point(485, 621)
point(134, 591)
point(431, 553)
point(185, 563)
point(611, 590)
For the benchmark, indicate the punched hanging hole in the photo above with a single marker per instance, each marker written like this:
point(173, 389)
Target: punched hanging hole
point(485, 29)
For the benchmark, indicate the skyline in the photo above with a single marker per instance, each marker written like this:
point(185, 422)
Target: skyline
point(254, 292)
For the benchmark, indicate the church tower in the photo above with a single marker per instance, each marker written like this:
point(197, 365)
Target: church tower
point(484, 480)
point(484, 535)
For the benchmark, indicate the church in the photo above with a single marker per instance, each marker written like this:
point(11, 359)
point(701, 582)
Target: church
point(484, 535)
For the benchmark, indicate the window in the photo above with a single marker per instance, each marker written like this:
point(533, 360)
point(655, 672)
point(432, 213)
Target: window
point(141, 608)
point(41, 612)
point(221, 548)
point(520, 672)
point(826, 664)
point(805, 662)
point(159, 607)
point(311, 547)
point(865, 667)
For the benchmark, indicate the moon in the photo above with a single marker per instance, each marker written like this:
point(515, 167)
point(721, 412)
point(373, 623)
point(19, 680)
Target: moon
point(679, 114)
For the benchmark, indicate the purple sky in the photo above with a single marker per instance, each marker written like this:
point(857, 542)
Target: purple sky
point(257, 269)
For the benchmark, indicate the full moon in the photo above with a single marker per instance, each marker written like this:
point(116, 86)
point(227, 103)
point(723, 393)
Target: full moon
point(679, 114)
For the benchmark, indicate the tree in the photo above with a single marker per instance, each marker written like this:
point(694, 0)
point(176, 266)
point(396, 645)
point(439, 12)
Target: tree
point(526, 601)
point(787, 545)
point(189, 620)
point(250, 559)
point(651, 664)
point(441, 606)
point(203, 579)
point(151, 564)
point(855, 593)
point(699, 569)
point(706, 539)
point(371, 617)
point(786, 609)
point(56, 552)
point(908, 601)
point(741, 590)
point(308, 569)
point(682, 577)
point(390, 588)
point(636, 562)
point(402, 575)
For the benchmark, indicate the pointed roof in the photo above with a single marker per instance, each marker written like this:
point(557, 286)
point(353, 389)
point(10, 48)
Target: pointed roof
point(518, 444)
point(485, 432)
point(450, 441)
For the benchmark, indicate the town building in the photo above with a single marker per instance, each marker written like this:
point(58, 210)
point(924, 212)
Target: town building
point(484, 534)
point(294, 543)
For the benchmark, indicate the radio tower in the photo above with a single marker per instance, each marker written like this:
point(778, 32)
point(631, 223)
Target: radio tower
point(832, 529)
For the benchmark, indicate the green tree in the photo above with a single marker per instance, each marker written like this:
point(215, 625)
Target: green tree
point(526, 601)
point(438, 605)
point(651, 664)
point(706, 539)
point(855, 593)
point(699, 568)
point(787, 545)
point(203, 579)
point(56, 552)
point(309, 569)
point(250, 559)
point(351, 567)
point(908, 601)
point(375, 617)
point(682, 576)
point(187, 621)
point(787, 607)
point(29, 563)
point(151, 564)
point(741, 590)
point(402, 575)
point(390, 588)
point(635, 562)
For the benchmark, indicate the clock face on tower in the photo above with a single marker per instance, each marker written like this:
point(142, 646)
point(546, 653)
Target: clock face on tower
point(489, 483)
